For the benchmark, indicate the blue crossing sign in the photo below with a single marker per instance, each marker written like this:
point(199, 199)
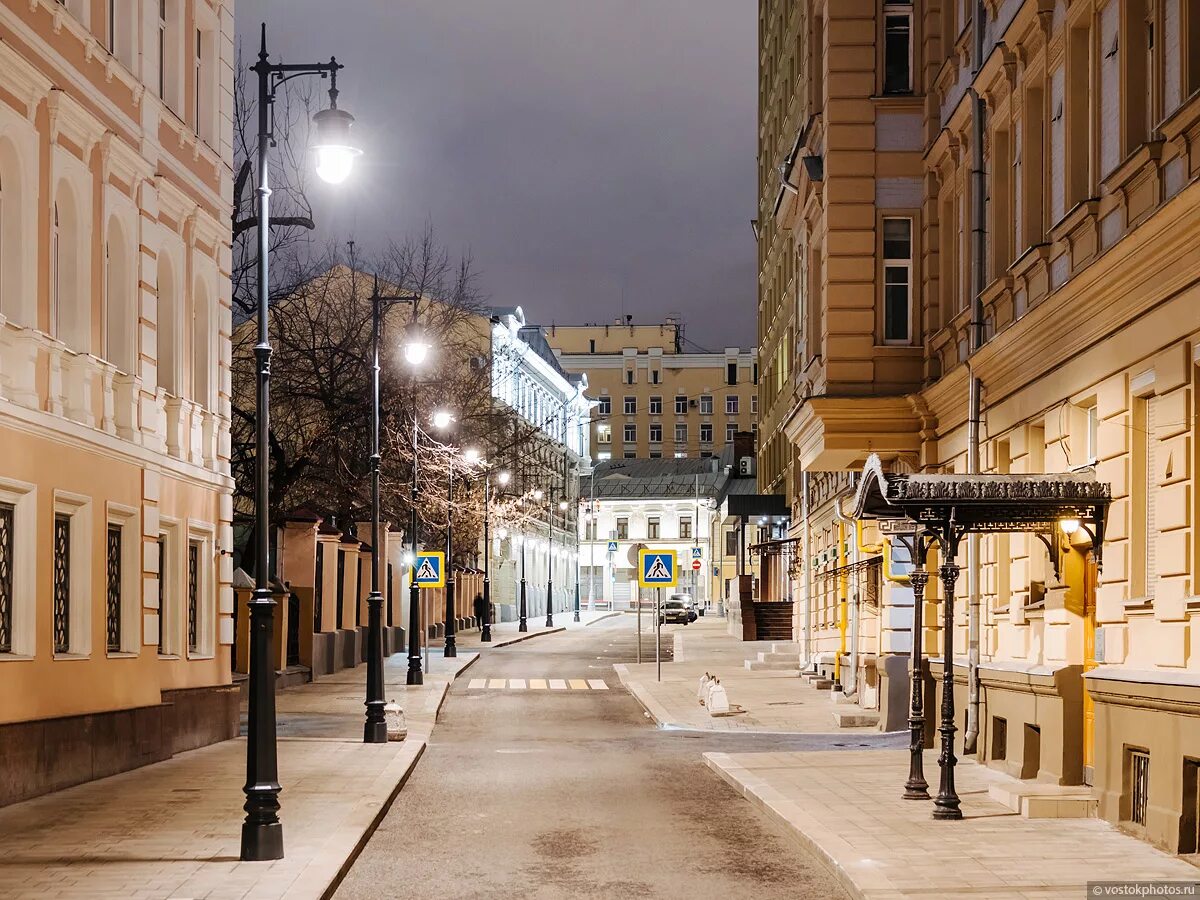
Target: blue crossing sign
point(656, 568)
point(429, 570)
point(697, 553)
point(612, 546)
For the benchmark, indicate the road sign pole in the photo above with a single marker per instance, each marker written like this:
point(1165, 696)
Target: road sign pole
point(639, 617)
point(658, 631)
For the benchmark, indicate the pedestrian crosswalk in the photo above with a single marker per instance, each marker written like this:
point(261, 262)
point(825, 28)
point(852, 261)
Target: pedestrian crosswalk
point(538, 684)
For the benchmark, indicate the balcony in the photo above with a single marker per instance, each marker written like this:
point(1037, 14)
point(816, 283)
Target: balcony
point(67, 391)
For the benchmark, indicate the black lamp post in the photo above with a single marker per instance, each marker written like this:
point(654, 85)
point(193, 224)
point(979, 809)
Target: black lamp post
point(415, 350)
point(375, 726)
point(443, 421)
point(523, 623)
point(262, 833)
point(502, 478)
point(550, 559)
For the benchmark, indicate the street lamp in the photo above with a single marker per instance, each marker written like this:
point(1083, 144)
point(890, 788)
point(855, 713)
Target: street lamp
point(501, 479)
point(523, 621)
point(375, 726)
point(442, 420)
point(416, 349)
point(262, 833)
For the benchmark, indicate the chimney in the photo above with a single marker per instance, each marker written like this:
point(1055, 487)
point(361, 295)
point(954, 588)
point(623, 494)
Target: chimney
point(743, 445)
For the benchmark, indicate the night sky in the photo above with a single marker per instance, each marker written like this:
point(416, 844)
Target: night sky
point(596, 157)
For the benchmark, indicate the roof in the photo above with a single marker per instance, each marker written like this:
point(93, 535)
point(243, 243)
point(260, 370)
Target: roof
point(654, 478)
point(535, 338)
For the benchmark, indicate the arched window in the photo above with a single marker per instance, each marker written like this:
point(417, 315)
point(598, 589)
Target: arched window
point(120, 321)
point(72, 315)
point(168, 327)
point(202, 345)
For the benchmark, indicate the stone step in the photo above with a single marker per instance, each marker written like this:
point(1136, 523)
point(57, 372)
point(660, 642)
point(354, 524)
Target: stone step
point(1034, 800)
point(757, 665)
point(786, 647)
point(853, 717)
point(790, 658)
point(818, 682)
point(841, 698)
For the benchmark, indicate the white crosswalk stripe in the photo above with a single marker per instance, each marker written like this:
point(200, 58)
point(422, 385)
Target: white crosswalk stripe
point(538, 684)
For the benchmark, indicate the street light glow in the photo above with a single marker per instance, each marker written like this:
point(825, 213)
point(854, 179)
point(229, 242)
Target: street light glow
point(442, 419)
point(503, 478)
point(538, 495)
point(471, 456)
point(335, 150)
point(1069, 526)
point(416, 348)
point(562, 504)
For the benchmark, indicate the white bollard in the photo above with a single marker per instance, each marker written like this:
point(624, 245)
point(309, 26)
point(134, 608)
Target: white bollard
point(397, 728)
point(718, 700)
point(702, 693)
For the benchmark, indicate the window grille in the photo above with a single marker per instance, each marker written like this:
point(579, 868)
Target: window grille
point(62, 584)
point(112, 589)
point(7, 516)
point(1139, 785)
point(193, 597)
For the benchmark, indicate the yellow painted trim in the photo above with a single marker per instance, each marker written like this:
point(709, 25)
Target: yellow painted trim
point(842, 604)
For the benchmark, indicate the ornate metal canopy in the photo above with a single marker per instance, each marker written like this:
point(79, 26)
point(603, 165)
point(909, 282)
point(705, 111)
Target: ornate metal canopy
point(954, 505)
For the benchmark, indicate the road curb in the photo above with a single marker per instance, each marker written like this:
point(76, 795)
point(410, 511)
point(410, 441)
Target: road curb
point(773, 803)
point(526, 637)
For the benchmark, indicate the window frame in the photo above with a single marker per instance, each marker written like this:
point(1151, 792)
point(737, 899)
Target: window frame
point(893, 263)
point(655, 433)
point(629, 404)
point(681, 404)
point(22, 497)
point(681, 433)
point(655, 405)
point(604, 407)
point(77, 508)
point(892, 10)
point(706, 404)
point(732, 405)
point(125, 519)
point(629, 433)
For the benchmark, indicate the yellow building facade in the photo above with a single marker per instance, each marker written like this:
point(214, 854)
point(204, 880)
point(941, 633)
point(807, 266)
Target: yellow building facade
point(1074, 312)
point(115, 495)
point(656, 399)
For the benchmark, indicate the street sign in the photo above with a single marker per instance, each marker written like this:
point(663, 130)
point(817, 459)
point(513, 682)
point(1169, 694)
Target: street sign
point(696, 564)
point(429, 570)
point(697, 553)
point(656, 568)
point(612, 546)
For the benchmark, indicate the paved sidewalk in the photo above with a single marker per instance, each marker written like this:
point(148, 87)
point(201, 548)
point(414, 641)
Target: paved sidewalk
point(776, 702)
point(505, 633)
point(172, 830)
point(847, 807)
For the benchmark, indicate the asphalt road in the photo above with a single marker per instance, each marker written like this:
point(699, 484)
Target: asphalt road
point(561, 794)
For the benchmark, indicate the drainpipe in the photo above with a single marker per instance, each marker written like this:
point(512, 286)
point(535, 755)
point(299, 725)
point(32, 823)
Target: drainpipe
point(975, 387)
point(841, 588)
point(809, 661)
point(846, 527)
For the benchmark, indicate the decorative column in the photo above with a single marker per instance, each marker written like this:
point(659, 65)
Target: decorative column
point(946, 806)
point(917, 788)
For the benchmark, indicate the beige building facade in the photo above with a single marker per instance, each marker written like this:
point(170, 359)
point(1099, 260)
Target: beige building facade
point(115, 509)
point(1077, 318)
point(657, 400)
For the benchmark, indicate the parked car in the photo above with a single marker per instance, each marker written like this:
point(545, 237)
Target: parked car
point(688, 602)
point(674, 611)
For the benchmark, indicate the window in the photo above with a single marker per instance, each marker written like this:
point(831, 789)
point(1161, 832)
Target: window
point(1145, 506)
point(731, 405)
point(8, 515)
point(731, 372)
point(681, 454)
point(162, 49)
point(112, 27)
point(1137, 780)
point(71, 587)
point(630, 406)
point(706, 454)
point(656, 406)
point(629, 376)
point(730, 430)
point(62, 583)
point(731, 542)
point(605, 407)
point(603, 455)
point(706, 405)
point(655, 433)
point(590, 530)
point(685, 527)
point(897, 48)
point(754, 403)
point(202, 346)
point(897, 281)
point(681, 405)
point(623, 528)
point(112, 589)
point(630, 433)
point(194, 611)
point(652, 528)
point(592, 345)
point(198, 111)
point(681, 433)
point(604, 434)
point(655, 376)
point(630, 454)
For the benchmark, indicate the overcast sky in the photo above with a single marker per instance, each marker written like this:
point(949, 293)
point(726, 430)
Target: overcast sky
point(595, 156)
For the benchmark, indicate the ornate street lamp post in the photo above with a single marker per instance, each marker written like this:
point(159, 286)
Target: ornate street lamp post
point(442, 421)
point(416, 348)
point(262, 833)
point(375, 726)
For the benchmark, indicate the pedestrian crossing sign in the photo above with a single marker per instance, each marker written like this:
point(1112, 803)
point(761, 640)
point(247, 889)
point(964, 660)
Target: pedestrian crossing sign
point(697, 553)
point(612, 546)
point(429, 570)
point(656, 568)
